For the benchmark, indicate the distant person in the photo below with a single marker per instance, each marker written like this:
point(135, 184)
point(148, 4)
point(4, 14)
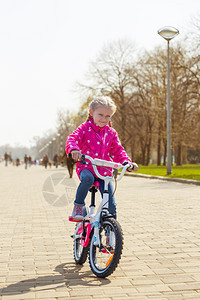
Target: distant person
point(6, 158)
point(10, 158)
point(17, 162)
point(45, 160)
point(26, 161)
point(30, 161)
point(70, 165)
point(69, 162)
point(56, 160)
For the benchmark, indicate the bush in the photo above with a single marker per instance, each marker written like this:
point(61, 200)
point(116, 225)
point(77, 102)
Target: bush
point(193, 156)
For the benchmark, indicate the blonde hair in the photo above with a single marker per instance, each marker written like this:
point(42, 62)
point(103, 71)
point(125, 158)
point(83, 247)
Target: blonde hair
point(102, 101)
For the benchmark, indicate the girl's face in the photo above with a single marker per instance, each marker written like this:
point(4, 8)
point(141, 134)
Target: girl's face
point(101, 115)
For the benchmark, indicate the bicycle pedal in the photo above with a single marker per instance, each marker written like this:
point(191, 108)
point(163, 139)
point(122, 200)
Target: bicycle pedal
point(71, 219)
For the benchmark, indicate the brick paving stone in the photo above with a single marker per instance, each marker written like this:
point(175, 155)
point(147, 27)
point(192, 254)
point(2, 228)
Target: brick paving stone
point(158, 297)
point(153, 288)
point(161, 226)
point(120, 297)
point(145, 281)
point(177, 279)
point(185, 286)
point(177, 294)
point(82, 297)
point(137, 297)
point(190, 296)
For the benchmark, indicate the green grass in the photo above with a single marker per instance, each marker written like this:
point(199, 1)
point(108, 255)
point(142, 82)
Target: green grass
point(184, 171)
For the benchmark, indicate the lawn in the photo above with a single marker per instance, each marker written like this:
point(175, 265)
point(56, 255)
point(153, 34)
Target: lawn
point(184, 171)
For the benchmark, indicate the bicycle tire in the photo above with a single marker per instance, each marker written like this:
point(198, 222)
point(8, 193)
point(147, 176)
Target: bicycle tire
point(97, 255)
point(80, 252)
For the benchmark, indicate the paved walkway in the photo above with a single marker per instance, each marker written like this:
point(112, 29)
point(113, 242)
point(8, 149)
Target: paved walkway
point(161, 225)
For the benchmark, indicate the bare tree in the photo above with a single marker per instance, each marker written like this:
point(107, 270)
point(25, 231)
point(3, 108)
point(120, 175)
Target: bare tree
point(139, 88)
point(109, 73)
point(147, 109)
point(185, 99)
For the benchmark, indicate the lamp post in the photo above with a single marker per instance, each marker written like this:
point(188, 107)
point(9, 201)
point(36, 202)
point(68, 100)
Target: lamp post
point(58, 143)
point(50, 150)
point(61, 140)
point(168, 33)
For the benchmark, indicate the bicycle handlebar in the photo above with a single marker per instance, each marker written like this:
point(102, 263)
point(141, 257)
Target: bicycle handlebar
point(103, 163)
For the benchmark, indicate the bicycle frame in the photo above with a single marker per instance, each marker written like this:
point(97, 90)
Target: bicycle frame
point(92, 220)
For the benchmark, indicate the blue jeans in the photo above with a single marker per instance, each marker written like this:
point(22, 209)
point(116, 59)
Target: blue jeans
point(87, 180)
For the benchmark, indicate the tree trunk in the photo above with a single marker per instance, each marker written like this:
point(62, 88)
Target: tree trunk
point(165, 154)
point(132, 152)
point(158, 149)
point(143, 150)
point(143, 157)
point(158, 152)
point(179, 152)
point(148, 152)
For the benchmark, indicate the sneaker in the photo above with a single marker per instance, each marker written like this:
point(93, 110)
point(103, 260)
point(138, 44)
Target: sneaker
point(77, 213)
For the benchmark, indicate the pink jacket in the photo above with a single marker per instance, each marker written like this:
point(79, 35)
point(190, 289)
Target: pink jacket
point(97, 142)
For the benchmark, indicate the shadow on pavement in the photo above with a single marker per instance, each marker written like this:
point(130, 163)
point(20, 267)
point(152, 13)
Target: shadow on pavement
point(70, 275)
point(76, 275)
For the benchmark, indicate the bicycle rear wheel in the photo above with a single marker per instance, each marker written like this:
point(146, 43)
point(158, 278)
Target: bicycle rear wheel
point(80, 252)
point(103, 260)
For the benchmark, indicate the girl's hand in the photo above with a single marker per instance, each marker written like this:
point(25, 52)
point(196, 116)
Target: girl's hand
point(134, 167)
point(76, 155)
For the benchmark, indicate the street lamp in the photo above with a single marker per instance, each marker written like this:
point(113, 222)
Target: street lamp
point(50, 150)
point(168, 33)
point(58, 143)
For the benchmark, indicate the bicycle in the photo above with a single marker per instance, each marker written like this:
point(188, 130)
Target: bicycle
point(99, 234)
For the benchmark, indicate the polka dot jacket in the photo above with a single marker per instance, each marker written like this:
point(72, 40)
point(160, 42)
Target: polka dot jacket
point(97, 142)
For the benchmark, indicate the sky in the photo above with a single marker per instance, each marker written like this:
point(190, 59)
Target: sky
point(47, 45)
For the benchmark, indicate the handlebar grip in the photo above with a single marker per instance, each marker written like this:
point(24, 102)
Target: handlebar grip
point(130, 169)
point(82, 161)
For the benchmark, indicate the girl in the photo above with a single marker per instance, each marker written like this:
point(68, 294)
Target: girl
point(97, 139)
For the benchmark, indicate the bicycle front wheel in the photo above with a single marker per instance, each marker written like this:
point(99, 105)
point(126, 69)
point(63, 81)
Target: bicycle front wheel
point(103, 260)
